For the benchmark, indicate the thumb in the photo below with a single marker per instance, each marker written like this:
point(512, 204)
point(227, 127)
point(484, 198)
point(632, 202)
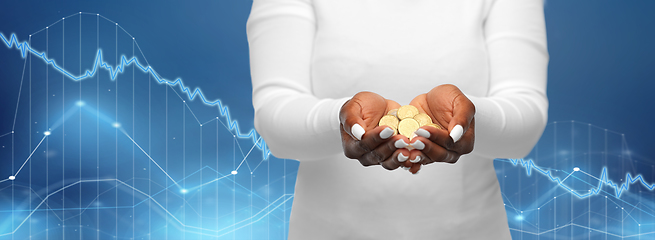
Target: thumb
point(351, 119)
point(463, 112)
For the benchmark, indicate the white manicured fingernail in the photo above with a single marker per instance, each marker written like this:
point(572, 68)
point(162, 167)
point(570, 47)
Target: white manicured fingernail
point(418, 145)
point(415, 160)
point(423, 133)
point(400, 144)
point(404, 168)
point(358, 131)
point(456, 133)
point(402, 158)
point(386, 133)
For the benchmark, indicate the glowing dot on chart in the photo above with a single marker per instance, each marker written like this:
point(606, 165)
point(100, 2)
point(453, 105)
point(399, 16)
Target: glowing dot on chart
point(79, 103)
point(184, 190)
point(234, 172)
point(12, 177)
point(576, 169)
point(47, 133)
point(116, 125)
point(519, 217)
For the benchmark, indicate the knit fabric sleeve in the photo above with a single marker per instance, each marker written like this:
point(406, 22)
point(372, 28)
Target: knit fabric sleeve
point(294, 123)
point(511, 118)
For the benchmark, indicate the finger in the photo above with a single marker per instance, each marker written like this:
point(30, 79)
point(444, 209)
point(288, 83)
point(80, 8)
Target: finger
point(351, 119)
point(414, 169)
point(382, 152)
point(443, 139)
point(433, 152)
point(358, 114)
point(416, 157)
point(394, 161)
point(463, 112)
point(370, 140)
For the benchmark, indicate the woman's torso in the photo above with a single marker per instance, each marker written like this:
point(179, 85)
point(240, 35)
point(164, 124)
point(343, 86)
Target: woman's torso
point(398, 49)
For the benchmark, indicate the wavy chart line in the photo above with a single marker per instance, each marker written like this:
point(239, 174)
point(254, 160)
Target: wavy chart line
point(99, 63)
point(259, 215)
point(233, 124)
point(113, 72)
point(603, 180)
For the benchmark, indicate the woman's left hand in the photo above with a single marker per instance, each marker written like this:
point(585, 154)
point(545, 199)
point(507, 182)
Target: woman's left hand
point(450, 108)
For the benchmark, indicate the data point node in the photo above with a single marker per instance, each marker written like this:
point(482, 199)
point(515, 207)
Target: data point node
point(234, 172)
point(12, 177)
point(576, 169)
point(116, 125)
point(47, 133)
point(46, 27)
point(80, 12)
point(132, 38)
point(116, 24)
point(250, 173)
point(63, 18)
point(184, 190)
point(97, 14)
point(79, 103)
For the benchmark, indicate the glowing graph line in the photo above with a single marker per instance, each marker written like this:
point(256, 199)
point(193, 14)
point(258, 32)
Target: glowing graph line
point(6, 134)
point(30, 156)
point(286, 198)
point(233, 125)
point(144, 152)
point(603, 180)
point(99, 63)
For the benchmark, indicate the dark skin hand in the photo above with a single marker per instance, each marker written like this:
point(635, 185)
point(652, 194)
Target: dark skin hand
point(448, 107)
point(366, 109)
point(445, 104)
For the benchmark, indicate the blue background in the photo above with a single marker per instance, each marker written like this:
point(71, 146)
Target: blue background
point(601, 71)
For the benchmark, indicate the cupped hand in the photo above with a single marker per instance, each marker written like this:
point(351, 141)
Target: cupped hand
point(451, 109)
point(363, 139)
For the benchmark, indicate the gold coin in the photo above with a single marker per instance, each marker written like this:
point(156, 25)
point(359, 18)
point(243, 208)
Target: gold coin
point(423, 119)
point(407, 127)
point(393, 112)
point(407, 111)
point(389, 120)
point(434, 125)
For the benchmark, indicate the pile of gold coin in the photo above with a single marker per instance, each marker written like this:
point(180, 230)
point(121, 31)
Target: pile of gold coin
point(406, 120)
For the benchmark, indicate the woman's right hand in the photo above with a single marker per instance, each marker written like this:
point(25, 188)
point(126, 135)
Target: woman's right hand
point(363, 139)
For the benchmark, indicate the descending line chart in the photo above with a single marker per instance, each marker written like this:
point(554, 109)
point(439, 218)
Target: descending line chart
point(121, 158)
point(114, 156)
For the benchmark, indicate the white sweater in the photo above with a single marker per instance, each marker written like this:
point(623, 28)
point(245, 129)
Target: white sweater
point(309, 56)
